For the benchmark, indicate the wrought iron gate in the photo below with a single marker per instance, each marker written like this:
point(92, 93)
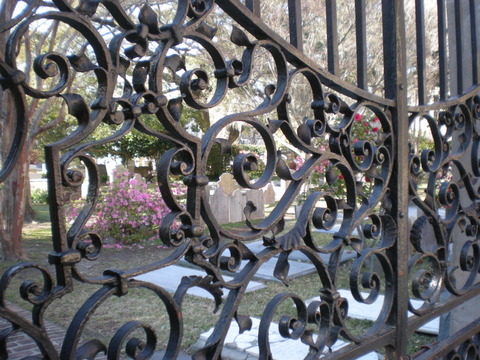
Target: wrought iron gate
point(370, 182)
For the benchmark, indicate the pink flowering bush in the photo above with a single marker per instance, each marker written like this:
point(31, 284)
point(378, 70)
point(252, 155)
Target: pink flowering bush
point(365, 127)
point(317, 180)
point(129, 211)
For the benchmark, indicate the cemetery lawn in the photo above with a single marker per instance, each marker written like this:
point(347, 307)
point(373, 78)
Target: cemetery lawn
point(142, 305)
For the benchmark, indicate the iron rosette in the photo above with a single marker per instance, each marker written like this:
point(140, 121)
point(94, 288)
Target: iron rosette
point(105, 65)
point(443, 184)
point(351, 161)
point(135, 60)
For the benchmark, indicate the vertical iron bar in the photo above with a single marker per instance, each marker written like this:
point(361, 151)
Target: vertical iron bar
point(57, 216)
point(473, 34)
point(389, 49)
point(254, 6)
point(361, 37)
point(459, 46)
point(332, 36)
point(295, 23)
point(395, 69)
point(420, 28)
point(442, 48)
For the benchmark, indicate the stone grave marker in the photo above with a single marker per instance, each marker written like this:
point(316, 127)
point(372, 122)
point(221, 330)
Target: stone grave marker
point(228, 184)
point(239, 200)
point(103, 174)
point(269, 195)
point(256, 197)
point(220, 205)
point(121, 169)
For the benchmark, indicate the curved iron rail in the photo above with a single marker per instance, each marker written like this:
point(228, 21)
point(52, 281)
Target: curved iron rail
point(349, 160)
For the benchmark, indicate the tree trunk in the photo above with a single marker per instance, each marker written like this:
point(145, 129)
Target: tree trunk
point(29, 211)
point(13, 209)
point(10, 208)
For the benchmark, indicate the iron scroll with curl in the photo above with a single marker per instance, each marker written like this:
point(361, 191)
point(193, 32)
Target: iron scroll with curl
point(129, 68)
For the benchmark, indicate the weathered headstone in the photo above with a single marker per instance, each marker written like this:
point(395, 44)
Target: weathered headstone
point(220, 205)
point(256, 197)
point(145, 171)
point(130, 165)
point(269, 194)
point(102, 173)
point(120, 169)
point(229, 200)
point(239, 200)
point(228, 184)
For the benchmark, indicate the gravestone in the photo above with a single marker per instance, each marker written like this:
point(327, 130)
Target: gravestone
point(228, 184)
point(120, 169)
point(239, 200)
point(229, 200)
point(103, 174)
point(257, 198)
point(220, 205)
point(269, 194)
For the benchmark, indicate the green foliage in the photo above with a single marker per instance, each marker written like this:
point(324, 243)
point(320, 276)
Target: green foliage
point(424, 142)
point(218, 163)
point(42, 213)
point(40, 196)
point(129, 211)
point(137, 144)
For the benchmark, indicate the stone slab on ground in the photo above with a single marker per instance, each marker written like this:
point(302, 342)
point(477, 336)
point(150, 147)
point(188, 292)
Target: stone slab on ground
point(169, 278)
point(245, 346)
point(371, 312)
point(258, 246)
point(297, 269)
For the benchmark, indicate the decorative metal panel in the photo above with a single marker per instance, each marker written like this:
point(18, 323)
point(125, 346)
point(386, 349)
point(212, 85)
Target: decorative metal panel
point(371, 181)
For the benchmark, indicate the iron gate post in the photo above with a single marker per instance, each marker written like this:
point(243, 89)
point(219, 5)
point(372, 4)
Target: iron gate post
point(396, 88)
point(377, 175)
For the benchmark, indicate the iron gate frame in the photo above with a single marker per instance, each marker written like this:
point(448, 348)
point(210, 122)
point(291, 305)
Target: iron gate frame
point(392, 155)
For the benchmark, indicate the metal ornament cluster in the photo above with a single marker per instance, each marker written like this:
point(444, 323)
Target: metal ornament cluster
point(127, 61)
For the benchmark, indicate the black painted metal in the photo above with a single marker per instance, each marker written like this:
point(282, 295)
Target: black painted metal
point(295, 24)
point(254, 6)
point(474, 41)
point(332, 36)
point(459, 45)
point(361, 37)
point(421, 60)
point(380, 176)
point(442, 48)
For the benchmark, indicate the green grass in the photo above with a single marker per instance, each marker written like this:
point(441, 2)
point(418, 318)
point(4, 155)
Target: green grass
point(143, 305)
point(41, 212)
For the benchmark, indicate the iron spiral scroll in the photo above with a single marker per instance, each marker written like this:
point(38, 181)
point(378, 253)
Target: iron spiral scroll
point(130, 70)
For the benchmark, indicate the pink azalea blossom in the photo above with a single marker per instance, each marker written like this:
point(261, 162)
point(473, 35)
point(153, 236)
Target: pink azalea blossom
point(129, 211)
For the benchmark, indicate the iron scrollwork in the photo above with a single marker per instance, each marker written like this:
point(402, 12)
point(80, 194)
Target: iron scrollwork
point(129, 70)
